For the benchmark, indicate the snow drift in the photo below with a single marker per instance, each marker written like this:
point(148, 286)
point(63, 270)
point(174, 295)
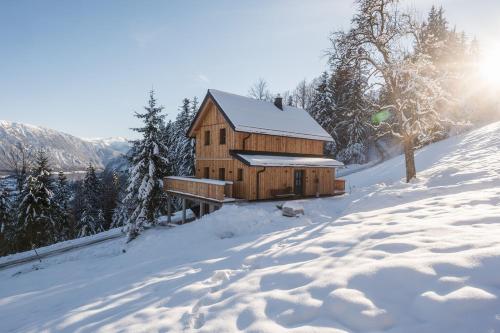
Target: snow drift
point(386, 257)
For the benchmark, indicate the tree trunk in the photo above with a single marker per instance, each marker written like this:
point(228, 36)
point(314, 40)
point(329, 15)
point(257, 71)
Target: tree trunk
point(411, 171)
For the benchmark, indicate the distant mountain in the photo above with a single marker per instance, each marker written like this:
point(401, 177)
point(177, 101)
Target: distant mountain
point(66, 151)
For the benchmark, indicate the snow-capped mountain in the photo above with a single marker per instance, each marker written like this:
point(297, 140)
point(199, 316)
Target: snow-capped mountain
point(66, 152)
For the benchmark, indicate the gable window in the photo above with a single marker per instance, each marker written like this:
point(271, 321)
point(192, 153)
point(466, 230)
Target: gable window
point(206, 172)
point(222, 174)
point(240, 175)
point(207, 138)
point(222, 136)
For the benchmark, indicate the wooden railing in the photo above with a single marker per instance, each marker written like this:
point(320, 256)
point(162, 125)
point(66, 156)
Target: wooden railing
point(339, 185)
point(217, 190)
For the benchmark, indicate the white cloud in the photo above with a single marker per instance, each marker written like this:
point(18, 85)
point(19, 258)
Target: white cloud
point(203, 78)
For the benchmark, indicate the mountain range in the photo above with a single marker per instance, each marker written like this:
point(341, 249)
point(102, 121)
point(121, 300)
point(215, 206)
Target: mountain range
point(66, 152)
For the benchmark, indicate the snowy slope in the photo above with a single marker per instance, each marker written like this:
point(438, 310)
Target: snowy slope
point(387, 257)
point(66, 151)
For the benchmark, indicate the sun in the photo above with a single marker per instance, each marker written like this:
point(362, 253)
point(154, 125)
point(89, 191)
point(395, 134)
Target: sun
point(489, 66)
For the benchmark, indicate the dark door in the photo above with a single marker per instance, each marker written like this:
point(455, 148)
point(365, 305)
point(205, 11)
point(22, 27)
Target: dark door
point(298, 182)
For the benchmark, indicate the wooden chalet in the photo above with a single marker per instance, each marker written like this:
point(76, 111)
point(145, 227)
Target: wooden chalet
point(255, 150)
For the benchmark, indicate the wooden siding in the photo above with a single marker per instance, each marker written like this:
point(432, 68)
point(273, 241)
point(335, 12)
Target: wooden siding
point(316, 181)
point(272, 178)
point(277, 144)
point(204, 190)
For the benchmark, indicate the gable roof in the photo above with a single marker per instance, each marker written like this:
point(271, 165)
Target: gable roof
point(245, 114)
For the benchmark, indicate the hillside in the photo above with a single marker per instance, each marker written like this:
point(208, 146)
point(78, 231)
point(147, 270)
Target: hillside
point(386, 257)
point(66, 151)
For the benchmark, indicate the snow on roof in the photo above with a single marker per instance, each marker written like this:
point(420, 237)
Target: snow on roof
point(296, 161)
point(256, 116)
point(201, 180)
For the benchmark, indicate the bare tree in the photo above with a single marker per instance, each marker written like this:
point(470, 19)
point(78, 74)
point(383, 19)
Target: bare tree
point(303, 94)
point(259, 90)
point(18, 159)
point(381, 40)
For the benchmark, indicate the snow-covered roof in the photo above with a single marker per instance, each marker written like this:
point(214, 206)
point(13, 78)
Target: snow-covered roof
point(201, 180)
point(255, 116)
point(294, 161)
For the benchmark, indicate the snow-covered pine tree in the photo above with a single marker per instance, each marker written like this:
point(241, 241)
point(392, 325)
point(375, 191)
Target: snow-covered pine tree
point(322, 105)
point(110, 196)
point(448, 52)
point(352, 113)
point(62, 195)
point(5, 222)
point(37, 211)
point(322, 109)
point(194, 105)
point(92, 219)
point(148, 165)
point(183, 145)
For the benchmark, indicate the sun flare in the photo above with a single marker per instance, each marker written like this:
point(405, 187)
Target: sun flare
point(489, 66)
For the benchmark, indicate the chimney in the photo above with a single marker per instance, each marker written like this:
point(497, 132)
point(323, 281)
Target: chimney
point(278, 102)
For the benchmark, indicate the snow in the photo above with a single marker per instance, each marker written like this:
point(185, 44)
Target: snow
point(297, 161)
point(256, 116)
point(201, 180)
point(386, 257)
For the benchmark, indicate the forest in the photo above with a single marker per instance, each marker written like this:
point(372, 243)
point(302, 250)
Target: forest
point(391, 80)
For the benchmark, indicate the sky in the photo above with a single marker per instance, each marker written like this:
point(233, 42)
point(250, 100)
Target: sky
point(85, 66)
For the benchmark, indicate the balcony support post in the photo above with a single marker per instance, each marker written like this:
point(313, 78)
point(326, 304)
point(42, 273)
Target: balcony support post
point(169, 209)
point(183, 210)
point(202, 209)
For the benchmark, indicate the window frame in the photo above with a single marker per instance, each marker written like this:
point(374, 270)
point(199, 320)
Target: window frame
point(222, 171)
point(222, 136)
point(239, 175)
point(207, 138)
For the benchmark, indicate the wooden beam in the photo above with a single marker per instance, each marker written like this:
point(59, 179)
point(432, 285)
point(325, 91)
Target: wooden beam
point(202, 209)
point(183, 210)
point(169, 209)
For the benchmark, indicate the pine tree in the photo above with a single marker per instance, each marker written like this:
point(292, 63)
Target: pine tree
point(92, 219)
point(62, 195)
point(110, 196)
point(352, 127)
point(37, 212)
point(183, 145)
point(322, 104)
point(5, 222)
point(148, 165)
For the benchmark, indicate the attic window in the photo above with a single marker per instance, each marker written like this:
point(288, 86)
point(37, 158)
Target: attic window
point(222, 136)
point(207, 138)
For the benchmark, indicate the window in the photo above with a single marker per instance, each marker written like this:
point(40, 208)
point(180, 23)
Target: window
point(240, 175)
point(222, 174)
point(222, 136)
point(207, 138)
point(206, 172)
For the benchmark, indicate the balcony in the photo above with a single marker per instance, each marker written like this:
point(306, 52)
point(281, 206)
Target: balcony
point(210, 190)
